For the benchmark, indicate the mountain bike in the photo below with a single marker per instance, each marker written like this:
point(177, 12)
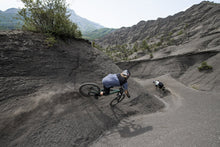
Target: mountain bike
point(92, 89)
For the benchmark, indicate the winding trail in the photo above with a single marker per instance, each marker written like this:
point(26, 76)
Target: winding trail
point(190, 118)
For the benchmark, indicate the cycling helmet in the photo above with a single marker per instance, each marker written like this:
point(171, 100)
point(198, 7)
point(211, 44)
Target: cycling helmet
point(126, 73)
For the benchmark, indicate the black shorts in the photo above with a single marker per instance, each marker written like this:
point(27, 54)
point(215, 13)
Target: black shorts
point(160, 85)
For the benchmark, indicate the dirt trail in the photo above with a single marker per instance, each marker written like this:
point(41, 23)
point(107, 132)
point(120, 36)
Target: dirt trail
point(191, 118)
point(39, 100)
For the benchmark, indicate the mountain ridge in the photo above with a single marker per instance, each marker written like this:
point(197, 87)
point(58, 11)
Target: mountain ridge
point(11, 10)
point(8, 19)
point(148, 37)
point(85, 25)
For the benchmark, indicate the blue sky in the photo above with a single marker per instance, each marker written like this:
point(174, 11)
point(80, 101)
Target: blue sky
point(119, 13)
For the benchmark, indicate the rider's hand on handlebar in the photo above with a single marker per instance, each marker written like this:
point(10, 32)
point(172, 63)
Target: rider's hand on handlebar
point(127, 93)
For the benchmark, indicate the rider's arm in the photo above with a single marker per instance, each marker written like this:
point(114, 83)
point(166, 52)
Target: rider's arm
point(125, 86)
point(127, 93)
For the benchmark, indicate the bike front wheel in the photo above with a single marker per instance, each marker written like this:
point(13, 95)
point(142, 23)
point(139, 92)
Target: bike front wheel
point(89, 89)
point(117, 100)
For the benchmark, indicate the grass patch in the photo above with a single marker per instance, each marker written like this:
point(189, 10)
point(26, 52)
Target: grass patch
point(204, 67)
point(194, 86)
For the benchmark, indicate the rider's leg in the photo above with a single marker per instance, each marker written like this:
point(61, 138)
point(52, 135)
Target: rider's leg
point(106, 91)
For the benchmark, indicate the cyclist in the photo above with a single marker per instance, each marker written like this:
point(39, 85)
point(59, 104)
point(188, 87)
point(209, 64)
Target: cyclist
point(159, 84)
point(112, 80)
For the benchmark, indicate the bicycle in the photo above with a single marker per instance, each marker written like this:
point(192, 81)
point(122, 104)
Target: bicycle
point(91, 89)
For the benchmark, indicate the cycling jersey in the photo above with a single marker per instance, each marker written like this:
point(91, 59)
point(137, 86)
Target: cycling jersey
point(157, 83)
point(112, 80)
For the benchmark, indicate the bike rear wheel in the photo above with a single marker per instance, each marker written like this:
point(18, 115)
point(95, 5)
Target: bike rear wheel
point(89, 89)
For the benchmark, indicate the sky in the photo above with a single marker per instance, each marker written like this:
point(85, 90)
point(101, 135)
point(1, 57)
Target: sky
point(119, 13)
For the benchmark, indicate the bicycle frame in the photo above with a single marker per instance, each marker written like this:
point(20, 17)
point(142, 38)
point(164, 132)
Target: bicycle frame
point(113, 91)
point(92, 89)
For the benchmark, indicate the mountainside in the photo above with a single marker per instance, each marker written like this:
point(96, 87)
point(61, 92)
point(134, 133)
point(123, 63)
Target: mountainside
point(8, 21)
point(11, 10)
point(198, 27)
point(96, 34)
point(84, 24)
point(39, 100)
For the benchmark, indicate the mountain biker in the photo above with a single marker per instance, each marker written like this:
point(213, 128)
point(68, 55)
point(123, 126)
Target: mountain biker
point(112, 80)
point(158, 84)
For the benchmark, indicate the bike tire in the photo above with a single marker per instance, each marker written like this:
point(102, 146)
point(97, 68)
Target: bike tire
point(114, 102)
point(117, 100)
point(89, 89)
point(121, 98)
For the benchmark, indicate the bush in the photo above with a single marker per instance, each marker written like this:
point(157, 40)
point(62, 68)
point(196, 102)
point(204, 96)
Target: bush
point(50, 41)
point(48, 16)
point(151, 55)
point(204, 66)
point(180, 32)
point(144, 45)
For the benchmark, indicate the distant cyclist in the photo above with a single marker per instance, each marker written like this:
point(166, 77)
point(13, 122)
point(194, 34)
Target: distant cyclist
point(112, 80)
point(159, 84)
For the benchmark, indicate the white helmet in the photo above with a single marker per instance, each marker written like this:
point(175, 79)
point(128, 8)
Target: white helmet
point(126, 73)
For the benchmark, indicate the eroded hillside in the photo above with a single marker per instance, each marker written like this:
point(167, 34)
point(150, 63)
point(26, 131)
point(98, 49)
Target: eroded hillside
point(39, 100)
point(196, 29)
point(176, 46)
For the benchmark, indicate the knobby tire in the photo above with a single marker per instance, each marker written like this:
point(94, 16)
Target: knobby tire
point(117, 100)
point(89, 89)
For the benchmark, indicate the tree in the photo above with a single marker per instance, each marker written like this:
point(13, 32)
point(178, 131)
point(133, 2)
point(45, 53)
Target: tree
point(135, 47)
point(144, 45)
point(48, 16)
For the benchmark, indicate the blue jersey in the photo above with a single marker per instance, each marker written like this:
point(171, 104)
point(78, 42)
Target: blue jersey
point(111, 80)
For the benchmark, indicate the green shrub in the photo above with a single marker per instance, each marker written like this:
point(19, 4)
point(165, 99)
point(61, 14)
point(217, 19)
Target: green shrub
point(135, 47)
point(93, 44)
point(50, 41)
point(171, 42)
point(48, 16)
point(180, 32)
point(204, 66)
point(186, 26)
point(196, 87)
point(151, 55)
point(144, 45)
point(159, 44)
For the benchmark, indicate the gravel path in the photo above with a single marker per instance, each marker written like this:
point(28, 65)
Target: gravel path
point(191, 118)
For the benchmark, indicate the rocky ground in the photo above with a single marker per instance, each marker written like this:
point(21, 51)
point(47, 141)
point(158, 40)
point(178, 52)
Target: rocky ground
point(39, 100)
